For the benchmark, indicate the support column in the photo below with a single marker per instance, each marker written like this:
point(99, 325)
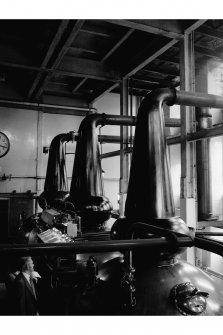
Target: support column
point(188, 209)
point(124, 157)
point(204, 121)
point(39, 154)
point(203, 169)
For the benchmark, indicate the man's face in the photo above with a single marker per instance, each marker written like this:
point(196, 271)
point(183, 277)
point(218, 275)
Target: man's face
point(30, 264)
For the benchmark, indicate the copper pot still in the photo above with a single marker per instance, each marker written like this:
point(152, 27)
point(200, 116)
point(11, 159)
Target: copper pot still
point(157, 283)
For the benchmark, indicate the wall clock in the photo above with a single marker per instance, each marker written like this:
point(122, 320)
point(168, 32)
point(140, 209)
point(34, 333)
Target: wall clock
point(4, 144)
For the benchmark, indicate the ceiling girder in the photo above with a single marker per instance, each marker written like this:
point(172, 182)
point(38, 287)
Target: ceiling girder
point(88, 68)
point(148, 26)
point(210, 32)
point(63, 26)
point(62, 52)
point(154, 50)
point(108, 54)
point(194, 26)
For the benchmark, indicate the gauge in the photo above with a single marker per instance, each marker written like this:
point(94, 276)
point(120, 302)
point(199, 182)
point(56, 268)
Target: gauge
point(4, 144)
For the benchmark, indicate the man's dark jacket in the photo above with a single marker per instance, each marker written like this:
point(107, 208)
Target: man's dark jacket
point(26, 303)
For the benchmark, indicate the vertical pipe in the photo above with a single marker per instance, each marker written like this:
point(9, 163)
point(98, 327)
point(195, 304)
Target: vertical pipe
point(39, 154)
point(203, 171)
point(187, 119)
point(124, 157)
point(188, 210)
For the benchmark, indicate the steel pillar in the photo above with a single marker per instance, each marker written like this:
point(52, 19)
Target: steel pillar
point(124, 157)
point(188, 194)
point(39, 146)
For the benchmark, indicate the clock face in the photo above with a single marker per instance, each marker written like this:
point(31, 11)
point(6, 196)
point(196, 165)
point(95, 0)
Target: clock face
point(4, 144)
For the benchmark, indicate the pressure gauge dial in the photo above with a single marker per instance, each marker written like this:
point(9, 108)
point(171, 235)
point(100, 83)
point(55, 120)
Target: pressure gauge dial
point(4, 144)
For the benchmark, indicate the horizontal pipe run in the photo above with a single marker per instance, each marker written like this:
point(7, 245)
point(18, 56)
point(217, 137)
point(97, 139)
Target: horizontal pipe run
point(40, 106)
point(172, 123)
point(207, 233)
point(171, 140)
point(118, 120)
point(112, 139)
point(198, 99)
point(115, 153)
point(205, 133)
point(116, 139)
point(199, 135)
point(86, 247)
point(108, 246)
point(131, 121)
point(209, 245)
point(210, 223)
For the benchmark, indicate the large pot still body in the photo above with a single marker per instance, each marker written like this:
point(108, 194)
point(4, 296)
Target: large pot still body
point(158, 283)
point(87, 185)
point(56, 184)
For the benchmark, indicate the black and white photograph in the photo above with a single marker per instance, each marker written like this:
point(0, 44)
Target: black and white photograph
point(111, 169)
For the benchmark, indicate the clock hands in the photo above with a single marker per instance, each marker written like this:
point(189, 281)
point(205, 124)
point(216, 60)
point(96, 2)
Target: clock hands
point(3, 146)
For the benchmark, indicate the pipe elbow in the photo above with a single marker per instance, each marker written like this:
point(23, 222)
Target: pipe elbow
point(161, 95)
point(92, 121)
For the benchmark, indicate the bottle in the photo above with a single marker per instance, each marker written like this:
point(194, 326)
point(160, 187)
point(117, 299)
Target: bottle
point(72, 229)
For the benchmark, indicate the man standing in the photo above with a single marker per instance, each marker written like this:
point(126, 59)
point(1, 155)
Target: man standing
point(26, 297)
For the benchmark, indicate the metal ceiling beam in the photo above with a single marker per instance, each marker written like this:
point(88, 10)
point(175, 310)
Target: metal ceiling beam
point(194, 26)
point(80, 108)
point(88, 68)
point(73, 34)
point(208, 53)
point(79, 85)
point(147, 26)
point(117, 45)
point(158, 70)
point(99, 93)
point(138, 81)
point(92, 29)
point(71, 70)
point(210, 32)
point(57, 87)
point(57, 38)
point(152, 52)
point(82, 49)
point(155, 49)
point(172, 60)
point(15, 64)
point(108, 54)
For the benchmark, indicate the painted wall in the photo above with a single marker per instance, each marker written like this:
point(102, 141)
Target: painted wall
point(21, 128)
point(26, 145)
